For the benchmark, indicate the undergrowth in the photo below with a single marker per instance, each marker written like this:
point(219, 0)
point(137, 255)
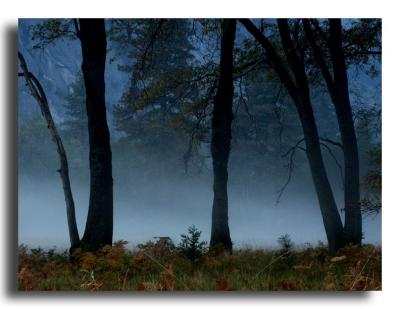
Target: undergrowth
point(157, 266)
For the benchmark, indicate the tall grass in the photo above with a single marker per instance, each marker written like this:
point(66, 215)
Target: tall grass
point(158, 267)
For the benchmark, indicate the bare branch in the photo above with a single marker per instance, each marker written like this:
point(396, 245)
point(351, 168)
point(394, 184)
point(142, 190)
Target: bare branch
point(292, 152)
point(327, 140)
point(336, 161)
point(278, 115)
point(202, 115)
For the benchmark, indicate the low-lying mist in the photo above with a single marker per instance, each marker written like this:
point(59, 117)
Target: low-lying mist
point(166, 206)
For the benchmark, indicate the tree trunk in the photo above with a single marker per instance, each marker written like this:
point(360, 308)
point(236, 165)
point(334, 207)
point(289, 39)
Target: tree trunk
point(353, 218)
point(299, 92)
point(38, 93)
point(330, 214)
point(221, 138)
point(99, 224)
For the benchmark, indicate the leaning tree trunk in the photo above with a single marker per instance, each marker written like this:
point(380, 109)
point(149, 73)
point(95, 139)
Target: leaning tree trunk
point(99, 224)
point(38, 93)
point(299, 92)
point(221, 138)
point(353, 218)
point(330, 214)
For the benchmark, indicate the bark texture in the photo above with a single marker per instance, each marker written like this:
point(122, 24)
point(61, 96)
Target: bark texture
point(221, 138)
point(99, 224)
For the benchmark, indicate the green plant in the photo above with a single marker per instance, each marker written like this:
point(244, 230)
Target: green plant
point(191, 246)
point(286, 244)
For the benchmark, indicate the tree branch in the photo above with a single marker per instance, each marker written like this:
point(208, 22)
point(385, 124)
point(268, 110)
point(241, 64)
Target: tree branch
point(332, 142)
point(336, 161)
point(319, 57)
point(292, 152)
point(272, 56)
point(291, 54)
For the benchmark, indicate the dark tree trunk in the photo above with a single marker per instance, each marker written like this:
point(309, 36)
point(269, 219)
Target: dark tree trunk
point(221, 138)
point(299, 92)
point(38, 93)
point(330, 214)
point(99, 224)
point(353, 218)
point(339, 93)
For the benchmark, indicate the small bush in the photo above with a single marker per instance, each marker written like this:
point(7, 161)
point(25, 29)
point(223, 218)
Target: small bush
point(191, 246)
point(286, 244)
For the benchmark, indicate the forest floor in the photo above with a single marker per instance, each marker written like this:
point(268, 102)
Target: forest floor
point(156, 267)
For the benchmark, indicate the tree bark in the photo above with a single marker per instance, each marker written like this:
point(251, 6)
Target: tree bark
point(341, 99)
point(38, 93)
point(221, 138)
point(299, 92)
point(99, 224)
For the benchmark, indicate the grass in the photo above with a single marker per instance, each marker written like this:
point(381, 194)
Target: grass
point(157, 267)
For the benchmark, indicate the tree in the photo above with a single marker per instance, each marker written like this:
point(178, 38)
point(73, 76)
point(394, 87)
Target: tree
point(300, 94)
point(159, 54)
point(75, 123)
point(99, 224)
point(191, 246)
point(221, 138)
point(38, 93)
point(156, 60)
point(338, 89)
point(372, 202)
point(92, 35)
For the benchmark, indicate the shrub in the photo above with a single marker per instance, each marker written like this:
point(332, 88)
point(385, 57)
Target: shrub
point(286, 244)
point(191, 246)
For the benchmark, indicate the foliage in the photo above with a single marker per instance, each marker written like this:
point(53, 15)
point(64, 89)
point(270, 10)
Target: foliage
point(36, 151)
point(162, 106)
point(372, 202)
point(51, 30)
point(286, 249)
point(75, 124)
point(286, 244)
point(191, 246)
point(114, 268)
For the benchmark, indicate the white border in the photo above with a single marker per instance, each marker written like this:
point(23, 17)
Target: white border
point(9, 13)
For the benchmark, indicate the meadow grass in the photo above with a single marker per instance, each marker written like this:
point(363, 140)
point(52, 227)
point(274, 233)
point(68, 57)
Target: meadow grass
point(157, 267)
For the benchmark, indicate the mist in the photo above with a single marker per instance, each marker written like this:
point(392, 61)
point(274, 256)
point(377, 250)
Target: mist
point(166, 206)
point(153, 193)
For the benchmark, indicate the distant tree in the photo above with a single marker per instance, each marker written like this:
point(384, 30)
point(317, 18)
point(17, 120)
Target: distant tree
point(34, 143)
point(163, 105)
point(159, 52)
point(371, 203)
point(75, 123)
